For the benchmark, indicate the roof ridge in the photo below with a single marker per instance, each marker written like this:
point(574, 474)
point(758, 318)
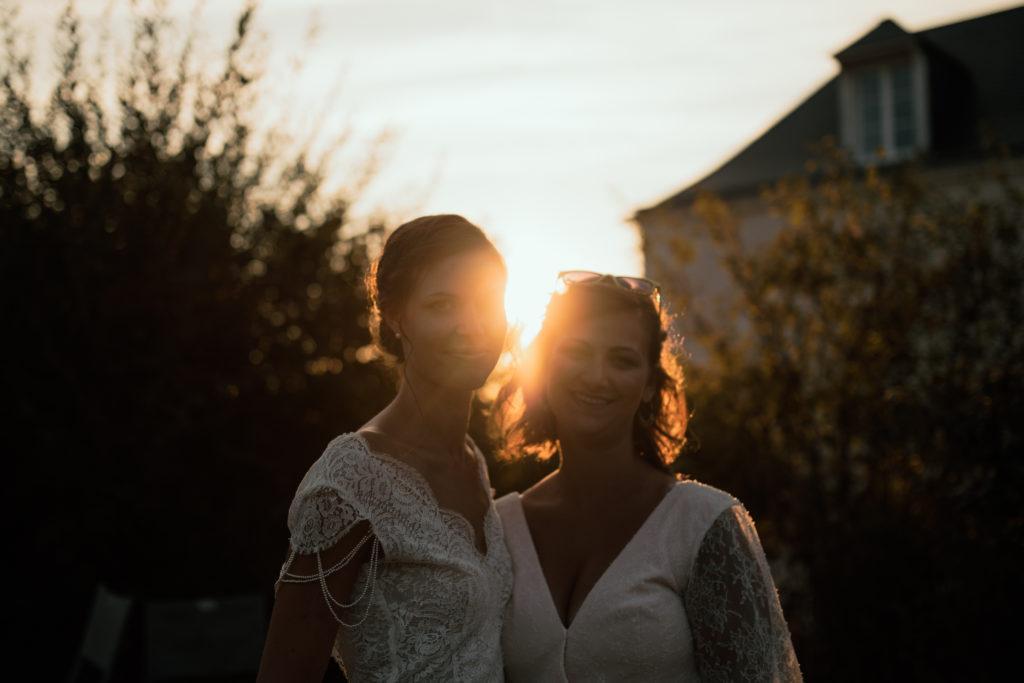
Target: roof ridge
point(969, 19)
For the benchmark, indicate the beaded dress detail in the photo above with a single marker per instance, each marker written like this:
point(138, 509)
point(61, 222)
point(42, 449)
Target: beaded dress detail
point(428, 604)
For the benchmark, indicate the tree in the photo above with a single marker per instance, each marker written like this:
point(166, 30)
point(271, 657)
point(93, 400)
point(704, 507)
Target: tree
point(865, 403)
point(185, 324)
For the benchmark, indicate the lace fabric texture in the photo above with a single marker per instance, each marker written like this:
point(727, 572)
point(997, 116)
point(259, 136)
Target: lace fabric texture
point(436, 603)
point(739, 632)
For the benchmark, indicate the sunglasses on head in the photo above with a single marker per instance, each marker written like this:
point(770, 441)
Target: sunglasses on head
point(640, 285)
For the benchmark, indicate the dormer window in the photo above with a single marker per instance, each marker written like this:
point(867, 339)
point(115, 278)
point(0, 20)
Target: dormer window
point(884, 97)
point(883, 112)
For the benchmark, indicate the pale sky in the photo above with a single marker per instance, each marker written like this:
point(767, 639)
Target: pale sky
point(549, 122)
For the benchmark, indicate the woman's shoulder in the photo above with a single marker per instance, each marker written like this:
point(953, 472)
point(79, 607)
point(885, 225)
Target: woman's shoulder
point(343, 469)
point(693, 509)
point(343, 450)
point(509, 506)
point(346, 446)
point(698, 505)
point(699, 493)
point(344, 485)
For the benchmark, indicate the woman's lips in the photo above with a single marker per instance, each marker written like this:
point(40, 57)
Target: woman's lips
point(589, 399)
point(468, 353)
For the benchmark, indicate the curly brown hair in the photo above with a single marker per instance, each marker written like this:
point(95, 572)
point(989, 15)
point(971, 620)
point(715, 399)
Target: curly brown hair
point(411, 249)
point(521, 412)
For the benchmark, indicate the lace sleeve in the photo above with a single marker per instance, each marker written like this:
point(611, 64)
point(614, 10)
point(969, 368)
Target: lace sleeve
point(318, 519)
point(739, 632)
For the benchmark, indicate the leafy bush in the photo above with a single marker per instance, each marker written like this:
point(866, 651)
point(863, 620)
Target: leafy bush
point(185, 322)
point(865, 403)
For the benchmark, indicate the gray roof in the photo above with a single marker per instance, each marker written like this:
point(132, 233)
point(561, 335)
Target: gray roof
point(976, 90)
point(882, 40)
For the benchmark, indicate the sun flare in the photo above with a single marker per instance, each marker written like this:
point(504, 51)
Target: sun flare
point(530, 284)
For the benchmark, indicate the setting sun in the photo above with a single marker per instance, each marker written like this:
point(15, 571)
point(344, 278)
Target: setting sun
point(529, 287)
point(540, 242)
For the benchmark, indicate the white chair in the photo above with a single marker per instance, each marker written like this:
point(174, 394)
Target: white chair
point(95, 660)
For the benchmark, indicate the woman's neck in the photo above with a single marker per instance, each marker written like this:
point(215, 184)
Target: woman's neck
point(427, 415)
point(591, 468)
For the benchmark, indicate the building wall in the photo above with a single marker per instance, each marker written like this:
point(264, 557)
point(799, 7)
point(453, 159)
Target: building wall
point(680, 255)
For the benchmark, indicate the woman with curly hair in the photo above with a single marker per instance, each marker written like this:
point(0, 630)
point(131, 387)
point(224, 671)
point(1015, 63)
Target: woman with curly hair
point(622, 571)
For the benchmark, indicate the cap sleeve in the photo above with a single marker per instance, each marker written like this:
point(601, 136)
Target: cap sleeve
point(337, 493)
point(739, 631)
point(318, 519)
point(329, 501)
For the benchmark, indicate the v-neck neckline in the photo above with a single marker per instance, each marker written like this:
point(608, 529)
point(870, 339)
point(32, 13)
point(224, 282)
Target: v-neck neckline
point(531, 548)
point(454, 515)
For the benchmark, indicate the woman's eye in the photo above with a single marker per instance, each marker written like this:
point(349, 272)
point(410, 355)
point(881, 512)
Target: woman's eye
point(626, 361)
point(440, 305)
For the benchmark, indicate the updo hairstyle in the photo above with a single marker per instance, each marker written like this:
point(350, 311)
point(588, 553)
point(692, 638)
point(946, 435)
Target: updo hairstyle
point(409, 251)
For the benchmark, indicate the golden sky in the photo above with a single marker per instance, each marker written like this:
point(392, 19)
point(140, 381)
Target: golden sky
point(549, 122)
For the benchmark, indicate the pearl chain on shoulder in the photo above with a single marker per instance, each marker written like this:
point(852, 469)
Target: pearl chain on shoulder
point(322, 574)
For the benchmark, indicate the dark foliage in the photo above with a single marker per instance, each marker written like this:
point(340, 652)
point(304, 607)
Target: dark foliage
point(865, 404)
point(185, 327)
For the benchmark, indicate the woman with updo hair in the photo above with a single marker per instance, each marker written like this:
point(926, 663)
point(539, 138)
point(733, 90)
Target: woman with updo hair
point(622, 570)
point(397, 564)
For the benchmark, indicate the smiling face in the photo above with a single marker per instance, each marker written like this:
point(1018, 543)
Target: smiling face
point(599, 371)
point(453, 324)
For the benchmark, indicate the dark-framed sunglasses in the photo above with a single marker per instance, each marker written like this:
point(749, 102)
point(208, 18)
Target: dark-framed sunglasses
point(640, 285)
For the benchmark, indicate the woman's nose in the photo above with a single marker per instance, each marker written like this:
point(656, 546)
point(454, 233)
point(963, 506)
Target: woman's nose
point(470, 322)
point(595, 374)
point(481, 319)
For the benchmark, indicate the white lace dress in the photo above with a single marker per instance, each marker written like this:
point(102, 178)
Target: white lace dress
point(689, 598)
point(430, 602)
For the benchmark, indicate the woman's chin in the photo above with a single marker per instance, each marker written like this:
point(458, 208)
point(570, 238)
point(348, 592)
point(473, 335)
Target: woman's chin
point(467, 378)
point(587, 429)
point(471, 372)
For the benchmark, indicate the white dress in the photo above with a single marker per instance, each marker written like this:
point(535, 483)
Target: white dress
point(689, 598)
point(433, 605)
